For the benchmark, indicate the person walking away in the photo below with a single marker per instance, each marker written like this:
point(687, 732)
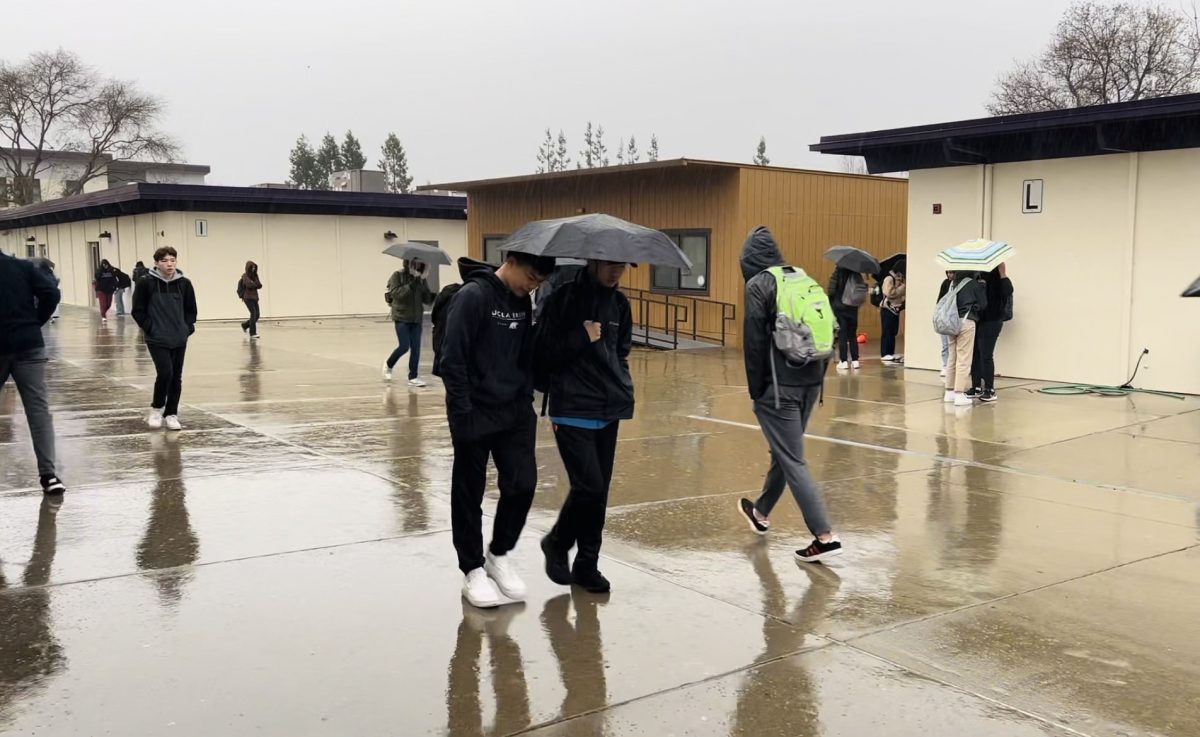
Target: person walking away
point(999, 290)
point(28, 297)
point(408, 292)
point(894, 287)
point(972, 300)
point(784, 394)
point(105, 285)
point(123, 283)
point(847, 292)
point(583, 340)
point(248, 287)
point(139, 271)
point(165, 308)
point(484, 361)
point(945, 338)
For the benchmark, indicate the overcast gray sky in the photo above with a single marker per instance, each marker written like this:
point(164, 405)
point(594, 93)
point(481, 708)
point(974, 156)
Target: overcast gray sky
point(470, 85)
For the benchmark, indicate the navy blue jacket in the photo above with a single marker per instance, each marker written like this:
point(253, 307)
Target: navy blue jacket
point(28, 297)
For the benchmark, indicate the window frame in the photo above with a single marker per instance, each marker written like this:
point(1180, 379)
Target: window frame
point(492, 236)
point(704, 291)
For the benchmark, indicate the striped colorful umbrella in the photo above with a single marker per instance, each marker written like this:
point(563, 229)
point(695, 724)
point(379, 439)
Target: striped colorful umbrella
point(977, 255)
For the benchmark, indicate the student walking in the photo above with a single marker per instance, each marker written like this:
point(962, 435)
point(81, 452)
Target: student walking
point(408, 292)
point(971, 300)
point(123, 284)
point(584, 336)
point(894, 289)
point(785, 395)
point(139, 271)
point(28, 297)
point(999, 292)
point(165, 308)
point(105, 284)
point(484, 360)
point(248, 288)
point(847, 292)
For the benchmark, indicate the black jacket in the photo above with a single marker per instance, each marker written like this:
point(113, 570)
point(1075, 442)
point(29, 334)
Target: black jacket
point(836, 287)
point(485, 360)
point(28, 297)
point(165, 310)
point(998, 290)
point(759, 254)
point(106, 281)
point(123, 280)
point(586, 380)
point(972, 299)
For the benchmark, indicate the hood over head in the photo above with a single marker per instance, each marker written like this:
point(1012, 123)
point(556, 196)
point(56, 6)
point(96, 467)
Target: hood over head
point(251, 266)
point(469, 267)
point(760, 253)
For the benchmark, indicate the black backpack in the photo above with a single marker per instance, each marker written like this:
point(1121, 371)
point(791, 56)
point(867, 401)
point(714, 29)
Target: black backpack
point(877, 292)
point(241, 288)
point(437, 316)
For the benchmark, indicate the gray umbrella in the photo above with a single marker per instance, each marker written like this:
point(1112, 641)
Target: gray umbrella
point(432, 255)
point(600, 237)
point(854, 259)
point(1193, 290)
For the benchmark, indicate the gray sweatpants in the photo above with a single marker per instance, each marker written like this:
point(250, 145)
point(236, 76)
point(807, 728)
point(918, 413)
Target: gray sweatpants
point(784, 429)
point(28, 371)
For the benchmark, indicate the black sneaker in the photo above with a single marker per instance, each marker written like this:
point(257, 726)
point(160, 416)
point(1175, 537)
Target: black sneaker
point(52, 485)
point(988, 396)
point(591, 580)
point(818, 550)
point(746, 507)
point(974, 393)
point(557, 569)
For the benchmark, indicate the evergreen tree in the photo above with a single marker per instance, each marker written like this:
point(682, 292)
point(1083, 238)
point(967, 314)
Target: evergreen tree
point(547, 157)
point(600, 151)
point(329, 158)
point(560, 154)
point(395, 165)
point(352, 154)
point(587, 157)
point(652, 152)
point(621, 152)
point(631, 153)
point(760, 157)
point(305, 173)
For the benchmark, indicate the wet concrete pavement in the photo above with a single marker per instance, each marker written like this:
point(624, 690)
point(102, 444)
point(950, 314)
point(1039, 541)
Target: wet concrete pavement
point(283, 566)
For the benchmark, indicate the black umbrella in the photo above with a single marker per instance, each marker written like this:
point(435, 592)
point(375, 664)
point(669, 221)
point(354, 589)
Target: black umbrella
point(854, 259)
point(599, 237)
point(1193, 290)
point(429, 254)
point(888, 265)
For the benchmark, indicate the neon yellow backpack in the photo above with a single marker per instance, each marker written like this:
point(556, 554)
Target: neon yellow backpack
point(804, 322)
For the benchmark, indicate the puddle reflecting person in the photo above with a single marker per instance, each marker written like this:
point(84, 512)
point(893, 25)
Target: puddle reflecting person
point(28, 298)
point(485, 362)
point(464, 702)
point(584, 337)
point(248, 288)
point(408, 292)
point(785, 396)
point(165, 308)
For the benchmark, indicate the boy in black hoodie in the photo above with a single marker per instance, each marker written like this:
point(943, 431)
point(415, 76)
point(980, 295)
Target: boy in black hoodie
point(485, 363)
point(164, 306)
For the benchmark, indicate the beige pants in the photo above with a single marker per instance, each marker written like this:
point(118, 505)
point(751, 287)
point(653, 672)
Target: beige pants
point(962, 348)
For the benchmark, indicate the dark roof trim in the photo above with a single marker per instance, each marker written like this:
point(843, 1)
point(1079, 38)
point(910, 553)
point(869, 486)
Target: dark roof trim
point(141, 197)
point(647, 166)
point(128, 166)
point(1164, 123)
point(48, 155)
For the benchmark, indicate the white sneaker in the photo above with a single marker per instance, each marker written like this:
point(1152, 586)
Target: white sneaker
point(889, 359)
point(962, 400)
point(387, 372)
point(479, 591)
point(154, 420)
point(104, 321)
point(855, 364)
point(842, 365)
point(500, 569)
point(173, 422)
point(949, 396)
point(416, 382)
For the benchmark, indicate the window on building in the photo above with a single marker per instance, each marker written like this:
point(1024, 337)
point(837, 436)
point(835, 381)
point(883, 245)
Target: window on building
point(23, 183)
point(30, 250)
point(695, 244)
point(491, 248)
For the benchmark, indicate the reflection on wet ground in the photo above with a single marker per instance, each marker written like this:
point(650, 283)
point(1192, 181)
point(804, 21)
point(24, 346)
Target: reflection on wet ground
point(283, 566)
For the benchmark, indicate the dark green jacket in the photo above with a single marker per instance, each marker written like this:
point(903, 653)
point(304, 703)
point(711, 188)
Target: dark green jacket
point(408, 295)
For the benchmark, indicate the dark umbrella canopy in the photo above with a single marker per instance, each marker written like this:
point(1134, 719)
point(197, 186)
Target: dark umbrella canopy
point(1193, 290)
point(889, 264)
point(599, 237)
point(854, 259)
point(432, 255)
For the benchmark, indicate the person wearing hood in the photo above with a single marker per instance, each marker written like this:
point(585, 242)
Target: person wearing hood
point(485, 362)
point(139, 271)
point(894, 288)
point(583, 339)
point(106, 284)
point(123, 284)
point(784, 395)
point(249, 286)
point(28, 297)
point(164, 306)
point(408, 292)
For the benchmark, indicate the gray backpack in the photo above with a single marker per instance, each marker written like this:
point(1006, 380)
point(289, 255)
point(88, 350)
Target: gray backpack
point(946, 320)
point(854, 294)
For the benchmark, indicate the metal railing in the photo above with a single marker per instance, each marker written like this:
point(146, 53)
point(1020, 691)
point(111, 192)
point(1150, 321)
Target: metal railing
point(659, 320)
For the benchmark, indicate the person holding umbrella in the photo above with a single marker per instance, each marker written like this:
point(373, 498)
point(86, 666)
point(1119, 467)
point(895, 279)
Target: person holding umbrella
point(582, 345)
point(847, 292)
point(967, 261)
point(894, 290)
point(408, 292)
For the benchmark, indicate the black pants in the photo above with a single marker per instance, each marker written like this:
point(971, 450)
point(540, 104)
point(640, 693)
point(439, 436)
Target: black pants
point(891, 328)
point(847, 320)
point(983, 362)
point(588, 456)
point(252, 323)
point(168, 384)
point(512, 450)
